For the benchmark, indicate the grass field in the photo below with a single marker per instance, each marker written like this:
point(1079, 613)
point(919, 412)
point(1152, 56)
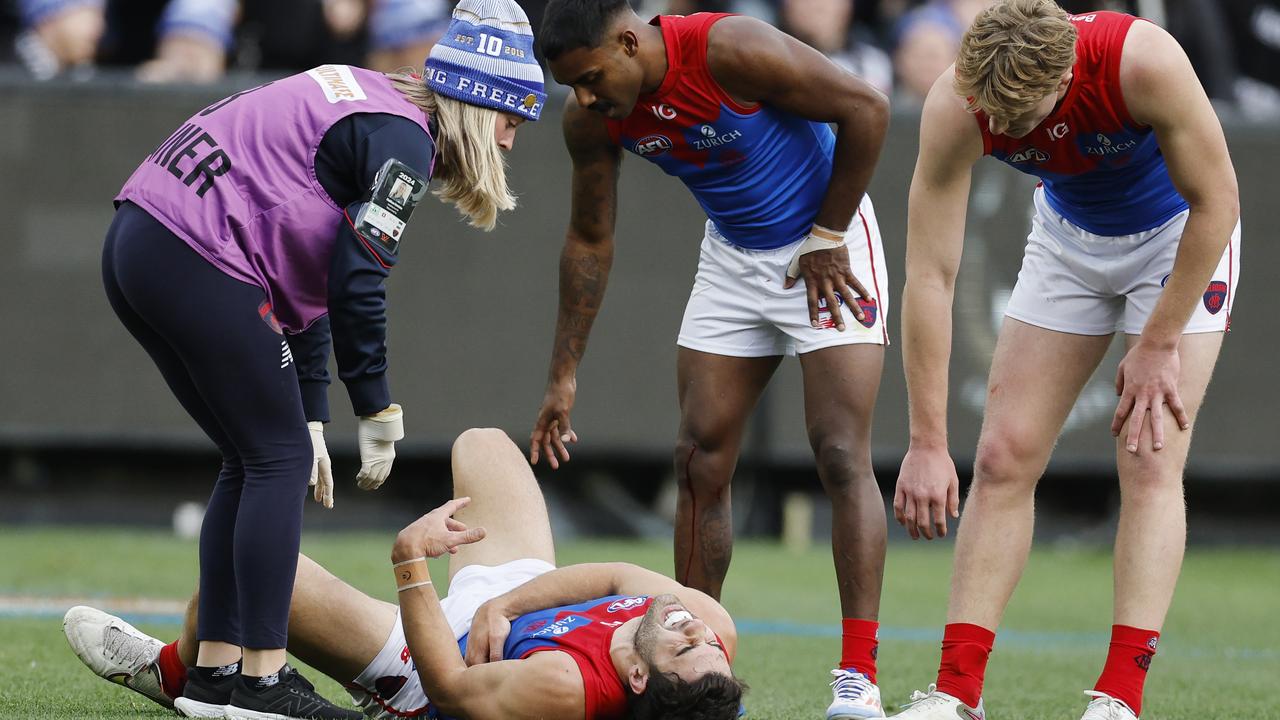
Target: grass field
point(1220, 656)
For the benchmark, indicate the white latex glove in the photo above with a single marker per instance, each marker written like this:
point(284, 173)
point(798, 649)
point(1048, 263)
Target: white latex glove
point(377, 435)
point(321, 469)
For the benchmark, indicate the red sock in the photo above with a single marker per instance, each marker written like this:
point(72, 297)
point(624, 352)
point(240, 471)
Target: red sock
point(859, 645)
point(1127, 662)
point(173, 674)
point(965, 649)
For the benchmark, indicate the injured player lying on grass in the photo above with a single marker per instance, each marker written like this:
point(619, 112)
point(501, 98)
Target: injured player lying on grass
point(514, 638)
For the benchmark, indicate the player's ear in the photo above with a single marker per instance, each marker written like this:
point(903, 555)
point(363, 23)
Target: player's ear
point(630, 43)
point(1065, 81)
point(638, 677)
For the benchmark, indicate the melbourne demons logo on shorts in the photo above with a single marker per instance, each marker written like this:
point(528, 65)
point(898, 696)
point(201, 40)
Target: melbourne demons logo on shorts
point(1215, 297)
point(869, 309)
point(827, 321)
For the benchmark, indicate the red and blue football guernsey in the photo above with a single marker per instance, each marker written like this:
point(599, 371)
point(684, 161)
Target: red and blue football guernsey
point(1101, 170)
point(758, 173)
point(583, 631)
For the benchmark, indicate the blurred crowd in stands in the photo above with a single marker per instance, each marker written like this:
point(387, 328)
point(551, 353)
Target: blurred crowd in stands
point(900, 46)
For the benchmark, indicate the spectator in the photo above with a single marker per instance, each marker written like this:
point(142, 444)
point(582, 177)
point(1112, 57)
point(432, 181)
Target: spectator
point(926, 42)
point(173, 40)
point(299, 34)
point(828, 26)
point(401, 32)
point(194, 37)
point(62, 34)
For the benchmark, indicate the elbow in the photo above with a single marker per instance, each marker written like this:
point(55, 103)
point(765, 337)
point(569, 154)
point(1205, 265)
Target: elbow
point(448, 699)
point(871, 109)
point(1223, 203)
point(577, 242)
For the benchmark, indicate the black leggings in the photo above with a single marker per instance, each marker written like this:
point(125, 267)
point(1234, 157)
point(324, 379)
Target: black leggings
point(233, 373)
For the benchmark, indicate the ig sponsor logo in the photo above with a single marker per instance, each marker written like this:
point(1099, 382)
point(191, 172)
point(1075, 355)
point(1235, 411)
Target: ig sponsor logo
point(663, 111)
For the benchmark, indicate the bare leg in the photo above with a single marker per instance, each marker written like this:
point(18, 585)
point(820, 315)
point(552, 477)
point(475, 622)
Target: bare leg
point(333, 627)
point(717, 393)
point(1153, 520)
point(840, 387)
point(1036, 375)
point(505, 501)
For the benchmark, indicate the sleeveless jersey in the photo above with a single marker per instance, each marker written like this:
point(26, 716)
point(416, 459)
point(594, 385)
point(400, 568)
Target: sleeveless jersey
point(584, 632)
point(237, 182)
point(1101, 170)
point(758, 173)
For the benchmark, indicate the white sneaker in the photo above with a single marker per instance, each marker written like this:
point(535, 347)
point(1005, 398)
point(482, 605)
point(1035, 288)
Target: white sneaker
point(1105, 707)
point(935, 705)
point(116, 650)
point(855, 696)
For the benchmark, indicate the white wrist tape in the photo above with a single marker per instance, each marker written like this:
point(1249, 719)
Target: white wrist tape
point(819, 238)
point(387, 426)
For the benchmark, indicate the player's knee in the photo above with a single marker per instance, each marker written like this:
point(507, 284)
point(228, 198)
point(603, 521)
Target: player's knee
point(1005, 460)
point(842, 465)
point(1149, 474)
point(479, 442)
point(698, 470)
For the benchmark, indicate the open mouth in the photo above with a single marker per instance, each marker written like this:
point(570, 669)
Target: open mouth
point(675, 615)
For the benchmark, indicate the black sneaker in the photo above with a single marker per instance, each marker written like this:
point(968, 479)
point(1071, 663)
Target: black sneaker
point(293, 698)
point(203, 698)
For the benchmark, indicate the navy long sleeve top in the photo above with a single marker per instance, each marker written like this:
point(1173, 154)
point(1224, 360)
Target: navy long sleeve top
point(347, 162)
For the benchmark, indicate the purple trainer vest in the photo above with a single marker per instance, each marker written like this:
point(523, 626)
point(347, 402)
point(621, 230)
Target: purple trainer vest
point(238, 182)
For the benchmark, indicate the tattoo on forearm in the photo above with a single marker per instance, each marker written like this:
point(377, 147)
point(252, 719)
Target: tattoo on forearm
point(583, 277)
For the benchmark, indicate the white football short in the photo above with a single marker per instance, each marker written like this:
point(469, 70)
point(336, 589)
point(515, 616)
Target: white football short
point(738, 306)
point(389, 688)
point(1073, 281)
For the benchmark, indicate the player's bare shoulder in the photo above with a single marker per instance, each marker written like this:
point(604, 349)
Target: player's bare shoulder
point(1152, 64)
point(739, 48)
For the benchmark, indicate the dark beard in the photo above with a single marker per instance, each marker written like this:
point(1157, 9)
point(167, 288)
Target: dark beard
point(646, 638)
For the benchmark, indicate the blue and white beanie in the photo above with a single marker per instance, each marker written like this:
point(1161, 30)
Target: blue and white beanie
point(486, 58)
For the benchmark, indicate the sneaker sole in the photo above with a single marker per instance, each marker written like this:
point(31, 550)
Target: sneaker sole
point(857, 714)
point(235, 713)
point(186, 707)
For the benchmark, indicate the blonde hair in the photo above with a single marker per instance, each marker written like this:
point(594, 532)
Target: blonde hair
point(470, 168)
point(1013, 55)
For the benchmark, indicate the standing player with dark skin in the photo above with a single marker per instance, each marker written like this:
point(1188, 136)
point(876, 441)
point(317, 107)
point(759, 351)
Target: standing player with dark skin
point(1136, 231)
point(739, 111)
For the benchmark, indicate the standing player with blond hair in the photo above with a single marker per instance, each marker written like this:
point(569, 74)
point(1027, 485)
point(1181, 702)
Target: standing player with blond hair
point(1136, 231)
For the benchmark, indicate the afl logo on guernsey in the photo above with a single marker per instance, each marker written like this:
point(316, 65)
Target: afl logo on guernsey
point(652, 145)
point(1030, 154)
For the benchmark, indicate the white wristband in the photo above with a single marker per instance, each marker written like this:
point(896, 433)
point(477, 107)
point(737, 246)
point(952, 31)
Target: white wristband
point(819, 238)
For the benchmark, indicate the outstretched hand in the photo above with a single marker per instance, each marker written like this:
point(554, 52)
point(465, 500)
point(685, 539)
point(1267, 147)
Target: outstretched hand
point(551, 431)
point(436, 533)
point(928, 492)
